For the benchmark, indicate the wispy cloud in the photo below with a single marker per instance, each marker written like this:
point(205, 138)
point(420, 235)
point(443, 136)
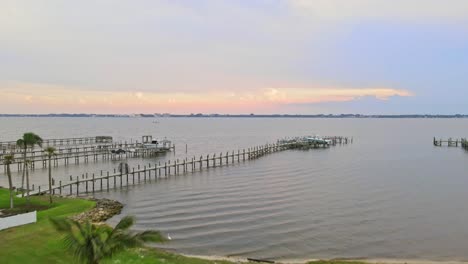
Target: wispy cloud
point(320, 95)
point(394, 10)
point(60, 97)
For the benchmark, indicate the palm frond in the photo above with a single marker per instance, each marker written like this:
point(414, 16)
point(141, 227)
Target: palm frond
point(90, 243)
point(50, 151)
point(20, 142)
point(8, 159)
point(38, 140)
point(125, 223)
point(150, 236)
point(30, 139)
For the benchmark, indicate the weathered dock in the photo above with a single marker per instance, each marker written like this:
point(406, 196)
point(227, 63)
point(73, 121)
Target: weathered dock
point(85, 154)
point(89, 183)
point(11, 145)
point(105, 150)
point(451, 143)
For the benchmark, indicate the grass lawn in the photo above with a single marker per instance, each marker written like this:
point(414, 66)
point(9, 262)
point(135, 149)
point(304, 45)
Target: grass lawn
point(40, 243)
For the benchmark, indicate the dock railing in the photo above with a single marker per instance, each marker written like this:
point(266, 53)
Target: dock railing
point(89, 183)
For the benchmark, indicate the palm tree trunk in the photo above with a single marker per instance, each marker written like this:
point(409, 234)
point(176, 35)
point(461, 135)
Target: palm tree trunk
point(27, 184)
point(10, 183)
point(50, 179)
point(24, 171)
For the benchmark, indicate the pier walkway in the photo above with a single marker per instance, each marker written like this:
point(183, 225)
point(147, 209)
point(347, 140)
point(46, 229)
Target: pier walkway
point(90, 183)
point(54, 142)
point(82, 154)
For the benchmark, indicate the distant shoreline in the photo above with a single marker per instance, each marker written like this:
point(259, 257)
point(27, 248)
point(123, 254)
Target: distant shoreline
point(323, 116)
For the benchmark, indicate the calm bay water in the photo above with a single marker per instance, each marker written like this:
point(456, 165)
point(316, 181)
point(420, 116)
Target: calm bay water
point(391, 194)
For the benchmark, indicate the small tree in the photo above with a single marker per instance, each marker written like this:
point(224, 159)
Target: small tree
point(50, 151)
point(7, 161)
point(90, 243)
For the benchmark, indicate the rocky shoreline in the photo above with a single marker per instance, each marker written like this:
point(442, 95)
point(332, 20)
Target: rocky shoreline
point(104, 209)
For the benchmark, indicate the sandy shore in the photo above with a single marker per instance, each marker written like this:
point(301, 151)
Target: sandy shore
point(303, 261)
point(412, 261)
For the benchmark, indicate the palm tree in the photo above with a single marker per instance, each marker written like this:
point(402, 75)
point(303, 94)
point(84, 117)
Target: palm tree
point(8, 160)
point(28, 140)
point(91, 243)
point(50, 152)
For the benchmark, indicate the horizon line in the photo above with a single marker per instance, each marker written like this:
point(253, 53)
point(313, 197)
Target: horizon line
point(136, 115)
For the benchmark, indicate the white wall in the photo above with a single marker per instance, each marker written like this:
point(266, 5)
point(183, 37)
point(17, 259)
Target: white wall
point(18, 220)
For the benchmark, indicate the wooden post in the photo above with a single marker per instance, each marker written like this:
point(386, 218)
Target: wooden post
point(107, 181)
point(138, 173)
point(77, 185)
point(121, 171)
point(149, 172)
point(155, 171)
point(169, 167)
point(93, 184)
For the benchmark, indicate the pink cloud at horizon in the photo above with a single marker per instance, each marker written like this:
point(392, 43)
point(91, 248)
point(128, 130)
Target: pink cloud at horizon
point(53, 98)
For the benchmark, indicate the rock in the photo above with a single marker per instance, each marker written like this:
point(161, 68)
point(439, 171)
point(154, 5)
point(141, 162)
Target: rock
point(105, 209)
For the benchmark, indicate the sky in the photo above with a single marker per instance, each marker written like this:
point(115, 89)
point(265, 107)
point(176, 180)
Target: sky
point(240, 57)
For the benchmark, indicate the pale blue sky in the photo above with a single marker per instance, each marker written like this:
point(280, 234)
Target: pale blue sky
point(291, 56)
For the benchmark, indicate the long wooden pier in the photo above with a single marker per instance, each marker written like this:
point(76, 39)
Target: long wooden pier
point(91, 183)
point(451, 143)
